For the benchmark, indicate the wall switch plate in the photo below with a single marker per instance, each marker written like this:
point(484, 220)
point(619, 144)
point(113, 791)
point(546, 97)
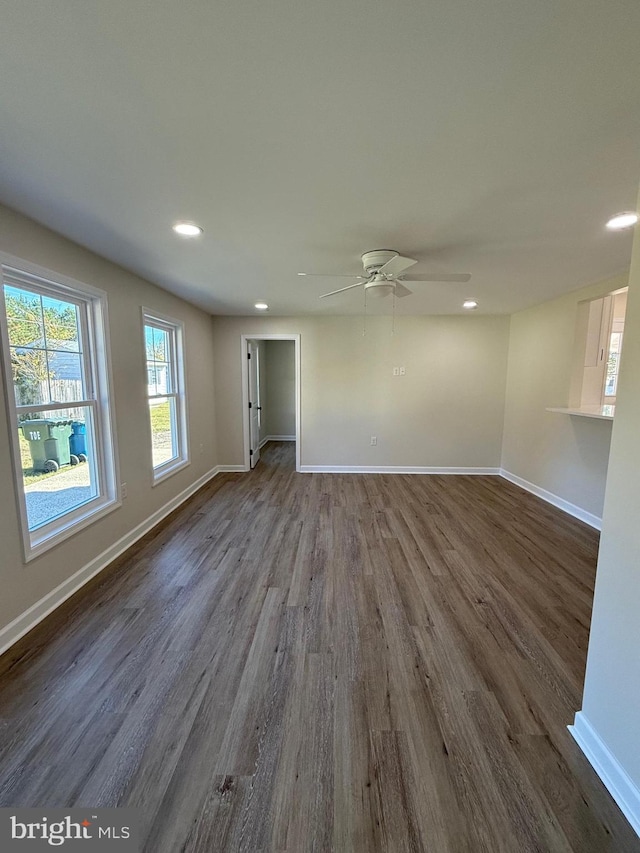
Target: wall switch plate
point(396, 371)
point(123, 490)
point(374, 440)
point(402, 371)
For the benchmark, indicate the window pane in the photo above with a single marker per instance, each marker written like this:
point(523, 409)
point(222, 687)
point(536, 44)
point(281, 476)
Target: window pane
point(58, 462)
point(61, 324)
point(613, 364)
point(163, 430)
point(30, 376)
point(157, 347)
point(65, 376)
point(148, 342)
point(24, 317)
point(46, 376)
point(45, 351)
point(160, 345)
point(151, 379)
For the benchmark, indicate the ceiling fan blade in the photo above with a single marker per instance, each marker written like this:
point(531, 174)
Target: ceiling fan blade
point(401, 291)
point(438, 276)
point(330, 275)
point(396, 265)
point(358, 284)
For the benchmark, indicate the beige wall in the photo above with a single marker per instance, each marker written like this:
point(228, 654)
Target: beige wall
point(565, 455)
point(23, 585)
point(612, 686)
point(280, 378)
point(447, 411)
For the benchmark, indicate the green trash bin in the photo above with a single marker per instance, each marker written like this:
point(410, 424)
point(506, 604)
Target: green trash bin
point(48, 443)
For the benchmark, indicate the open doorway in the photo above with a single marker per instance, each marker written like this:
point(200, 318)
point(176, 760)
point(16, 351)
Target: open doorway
point(270, 393)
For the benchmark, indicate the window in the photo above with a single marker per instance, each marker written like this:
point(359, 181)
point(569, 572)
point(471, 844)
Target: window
point(163, 340)
point(599, 334)
point(618, 311)
point(56, 375)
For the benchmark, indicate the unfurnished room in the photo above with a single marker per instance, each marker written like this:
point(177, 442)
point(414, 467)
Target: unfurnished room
point(320, 410)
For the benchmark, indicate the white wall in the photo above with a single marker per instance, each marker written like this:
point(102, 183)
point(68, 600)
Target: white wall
point(263, 387)
point(23, 585)
point(611, 703)
point(565, 455)
point(447, 411)
point(280, 377)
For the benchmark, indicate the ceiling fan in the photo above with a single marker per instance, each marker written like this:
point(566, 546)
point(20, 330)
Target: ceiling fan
point(384, 270)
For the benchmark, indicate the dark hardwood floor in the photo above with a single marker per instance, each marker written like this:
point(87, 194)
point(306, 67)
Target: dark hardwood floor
point(311, 662)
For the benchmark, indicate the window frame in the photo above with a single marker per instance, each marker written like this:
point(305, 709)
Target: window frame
point(96, 367)
point(176, 334)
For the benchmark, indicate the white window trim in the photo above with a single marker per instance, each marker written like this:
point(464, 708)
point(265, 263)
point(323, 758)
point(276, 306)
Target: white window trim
point(176, 328)
point(36, 542)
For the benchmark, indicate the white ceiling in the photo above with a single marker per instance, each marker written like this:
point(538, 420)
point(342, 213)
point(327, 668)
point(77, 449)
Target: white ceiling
point(489, 136)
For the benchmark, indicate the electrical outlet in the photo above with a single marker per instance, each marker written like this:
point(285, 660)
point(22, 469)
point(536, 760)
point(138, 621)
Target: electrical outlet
point(123, 490)
point(374, 440)
point(201, 449)
point(402, 371)
point(396, 371)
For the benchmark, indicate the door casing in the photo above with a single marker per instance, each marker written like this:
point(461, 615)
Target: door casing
point(253, 369)
point(245, 392)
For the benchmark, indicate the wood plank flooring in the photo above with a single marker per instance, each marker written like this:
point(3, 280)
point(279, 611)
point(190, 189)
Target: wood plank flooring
point(320, 662)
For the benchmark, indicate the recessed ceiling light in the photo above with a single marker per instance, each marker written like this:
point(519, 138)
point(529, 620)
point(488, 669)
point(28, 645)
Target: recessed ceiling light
point(622, 220)
point(187, 229)
point(470, 304)
point(261, 306)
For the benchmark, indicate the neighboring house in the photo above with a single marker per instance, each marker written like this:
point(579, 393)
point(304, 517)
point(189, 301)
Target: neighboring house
point(157, 378)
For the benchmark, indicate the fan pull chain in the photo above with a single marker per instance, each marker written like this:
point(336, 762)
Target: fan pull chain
point(364, 317)
point(393, 318)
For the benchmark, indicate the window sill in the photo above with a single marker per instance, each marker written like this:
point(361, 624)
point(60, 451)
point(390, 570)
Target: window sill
point(603, 413)
point(41, 540)
point(166, 471)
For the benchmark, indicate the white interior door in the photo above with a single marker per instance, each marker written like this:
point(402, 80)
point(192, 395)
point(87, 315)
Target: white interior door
point(254, 402)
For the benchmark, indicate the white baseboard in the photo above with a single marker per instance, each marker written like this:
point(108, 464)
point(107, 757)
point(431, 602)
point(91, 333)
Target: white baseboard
point(576, 511)
point(613, 775)
point(276, 438)
point(230, 469)
point(392, 469)
point(22, 624)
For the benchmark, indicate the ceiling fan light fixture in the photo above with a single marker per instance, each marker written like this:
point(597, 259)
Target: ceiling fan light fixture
point(261, 306)
point(187, 229)
point(385, 274)
point(620, 221)
point(470, 304)
point(379, 288)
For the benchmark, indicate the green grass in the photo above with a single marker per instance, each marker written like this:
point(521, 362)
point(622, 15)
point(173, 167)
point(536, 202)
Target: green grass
point(160, 418)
